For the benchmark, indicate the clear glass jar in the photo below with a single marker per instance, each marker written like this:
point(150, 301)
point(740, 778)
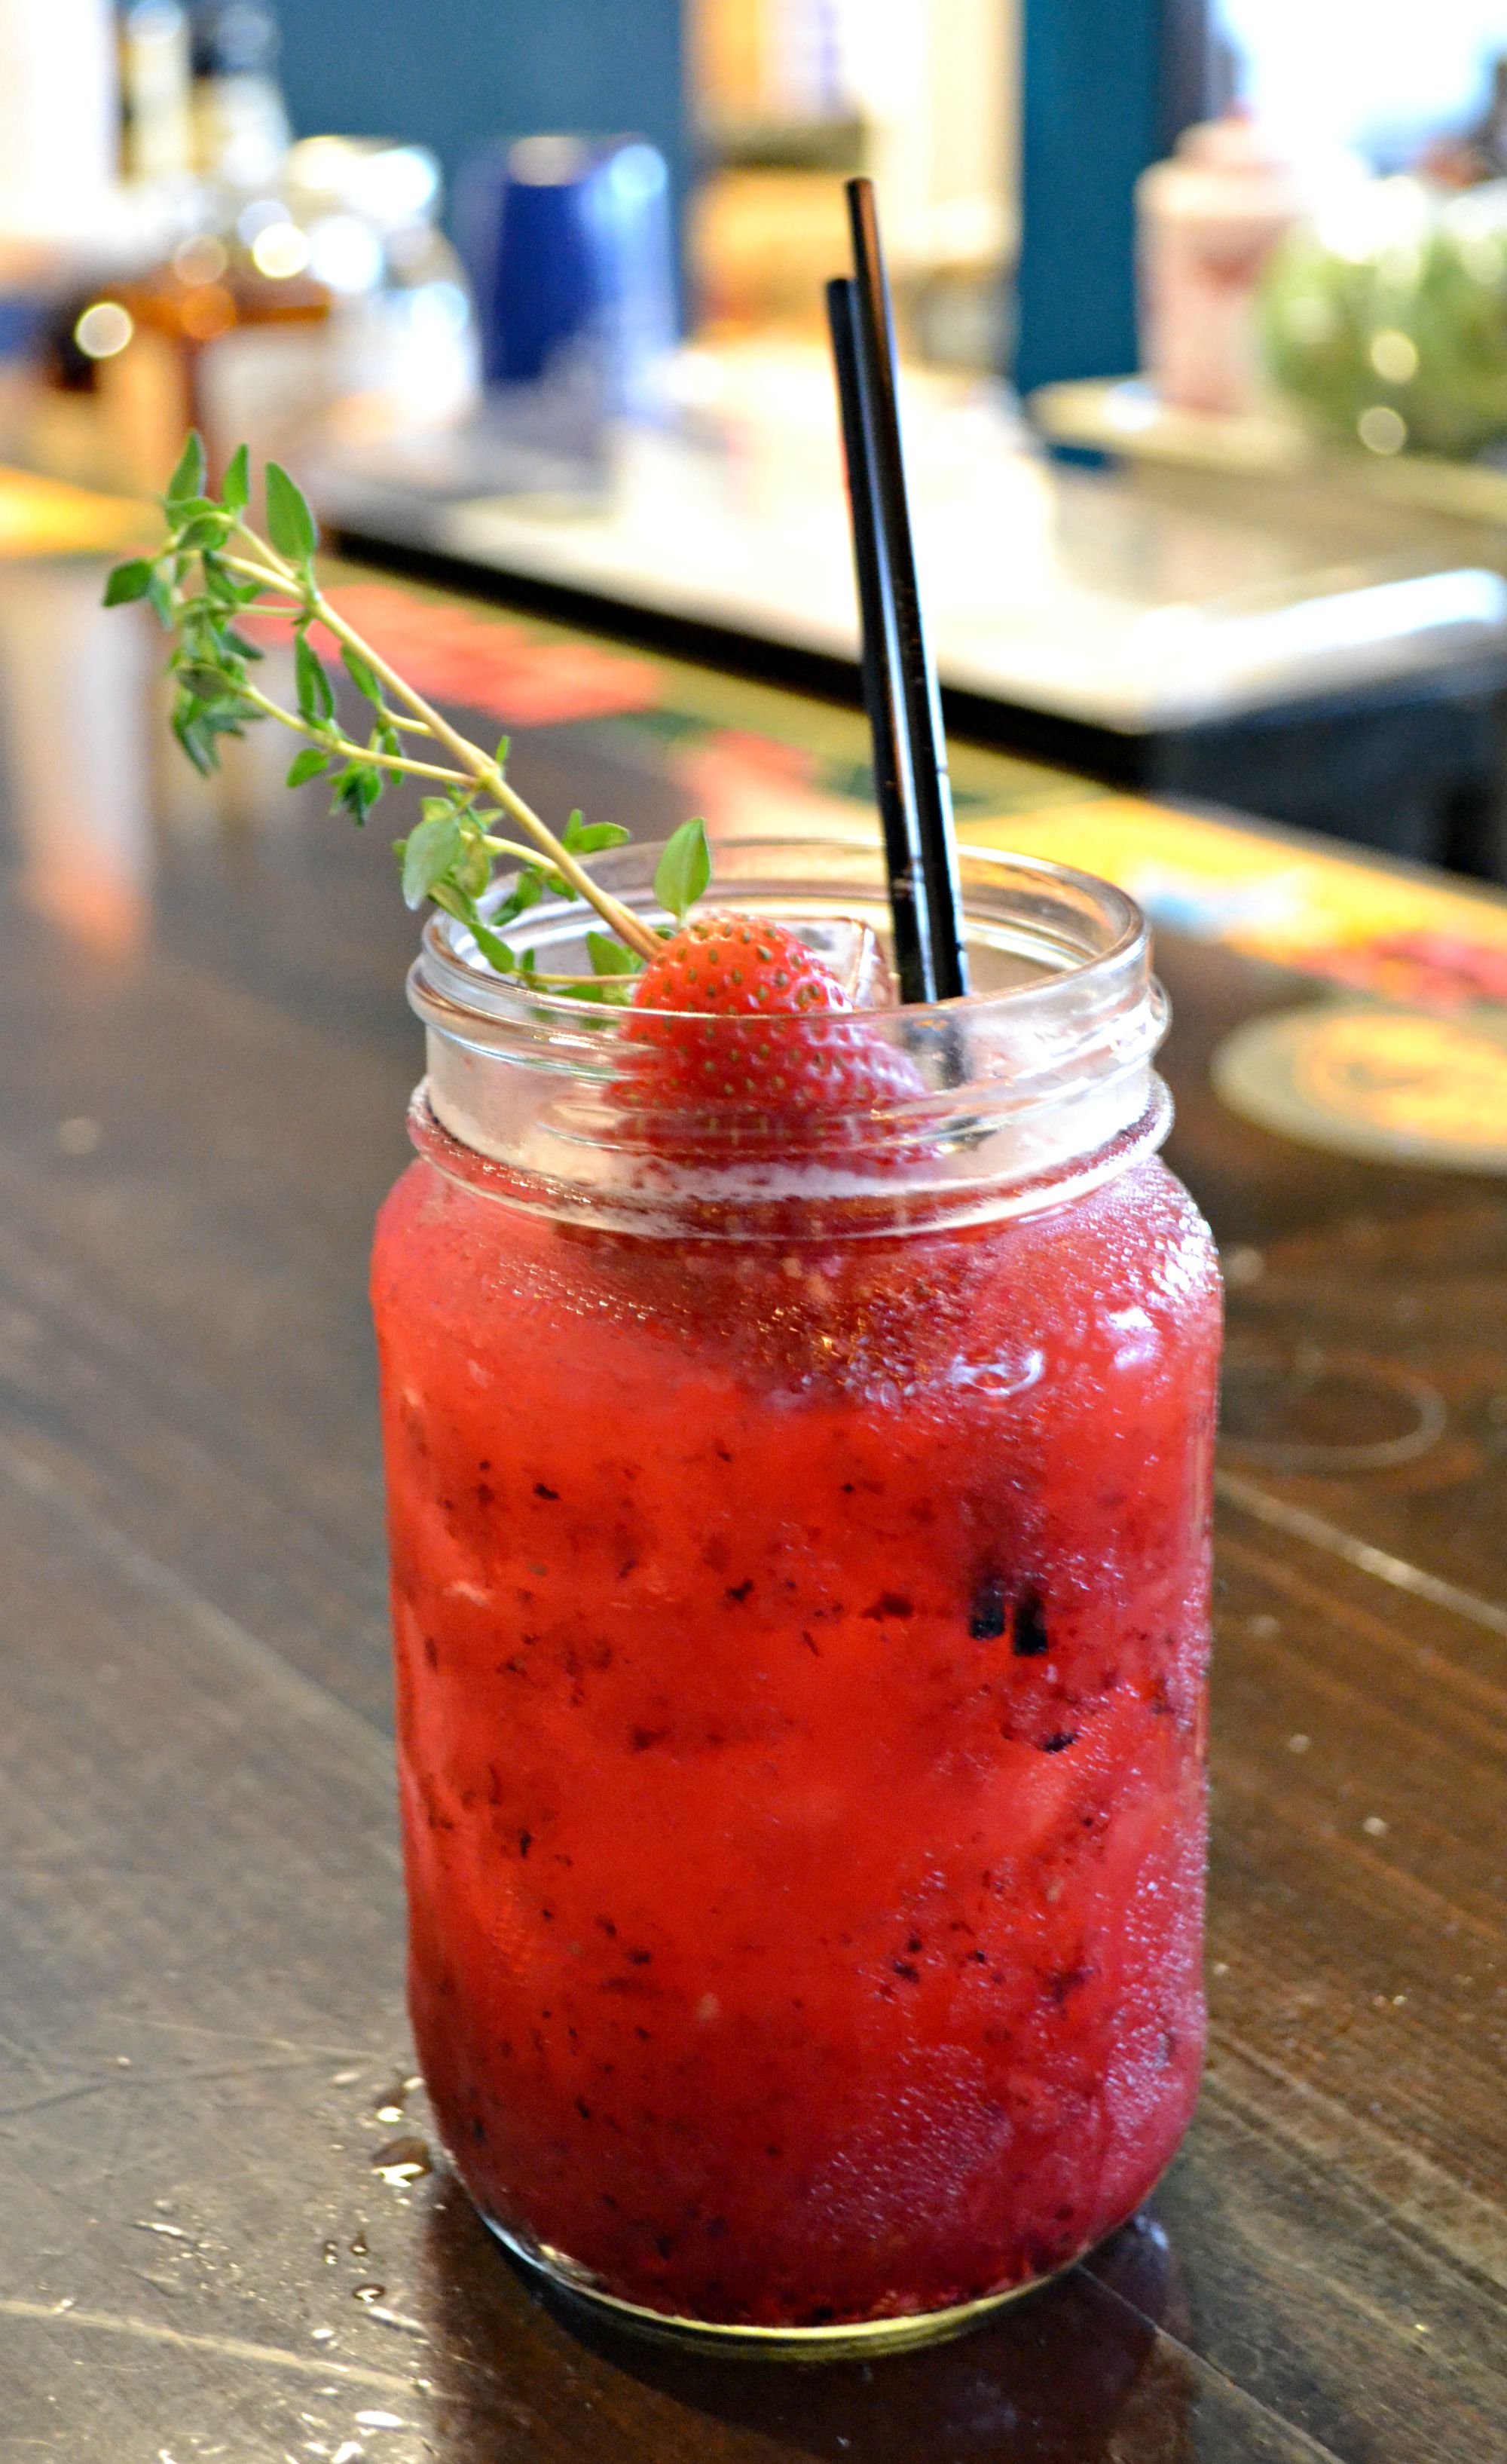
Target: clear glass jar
point(801, 1591)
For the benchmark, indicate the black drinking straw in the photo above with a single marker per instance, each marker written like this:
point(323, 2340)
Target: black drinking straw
point(914, 687)
point(892, 781)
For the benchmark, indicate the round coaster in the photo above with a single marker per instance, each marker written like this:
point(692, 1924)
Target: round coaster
point(1393, 1086)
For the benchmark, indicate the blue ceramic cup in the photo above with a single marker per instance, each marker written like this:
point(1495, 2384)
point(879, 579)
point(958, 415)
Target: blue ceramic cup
point(567, 244)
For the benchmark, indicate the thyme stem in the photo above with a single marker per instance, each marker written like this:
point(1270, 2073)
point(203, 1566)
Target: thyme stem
point(335, 743)
point(449, 855)
point(480, 765)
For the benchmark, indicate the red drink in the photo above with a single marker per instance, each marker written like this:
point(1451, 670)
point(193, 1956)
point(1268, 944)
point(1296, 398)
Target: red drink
point(801, 1647)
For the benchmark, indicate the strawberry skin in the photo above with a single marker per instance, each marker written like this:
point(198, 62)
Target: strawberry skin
point(756, 1046)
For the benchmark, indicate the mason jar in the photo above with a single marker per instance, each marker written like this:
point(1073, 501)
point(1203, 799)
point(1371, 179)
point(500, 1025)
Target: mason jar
point(800, 1589)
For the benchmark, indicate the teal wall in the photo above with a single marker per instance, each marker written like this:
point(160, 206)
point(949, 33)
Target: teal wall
point(454, 73)
point(1108, 84)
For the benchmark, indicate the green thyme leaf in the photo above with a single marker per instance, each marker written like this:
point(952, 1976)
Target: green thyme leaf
point(386, 739)
point(494, 950)
point(200, 749)
point(198, 724)
point(236, 493)
point(451, 901)
point(587, 838)
point(611, 957)
point(525, 893)
point(497, 952)
point(315, 692)
point(204, 682)
point(220, 586)
point(206, 530)
point(227, 713)
point(501, 756)
point(428, 853)
point(684, 869)
point(187, 481)
point(473, 865)
point(129, 582)
point(610, 992)
point(290, 522)
point(362, 676)
point(307, 764)
point(357, 791)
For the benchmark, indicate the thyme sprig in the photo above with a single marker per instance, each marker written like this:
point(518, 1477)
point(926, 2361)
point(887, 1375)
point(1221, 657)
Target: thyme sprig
point(213, 568)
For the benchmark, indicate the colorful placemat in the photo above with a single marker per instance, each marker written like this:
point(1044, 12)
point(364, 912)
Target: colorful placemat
point(515, 674)
point(1413, 1073)
point(1365, 923)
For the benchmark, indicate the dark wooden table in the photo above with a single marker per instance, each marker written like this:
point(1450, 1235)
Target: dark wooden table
point(214, 2242)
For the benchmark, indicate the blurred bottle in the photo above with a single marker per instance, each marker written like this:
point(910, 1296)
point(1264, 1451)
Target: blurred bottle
point(219, 326)
point(205, 339)
point(328, 312)
point(193, 287)
point(156, 92)
point(226, 336)
point(240, 122)
point(1207, 224)
point(403, 351)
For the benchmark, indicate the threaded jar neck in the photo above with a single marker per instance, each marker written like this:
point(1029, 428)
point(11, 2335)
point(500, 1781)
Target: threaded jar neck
point(1032, 1088)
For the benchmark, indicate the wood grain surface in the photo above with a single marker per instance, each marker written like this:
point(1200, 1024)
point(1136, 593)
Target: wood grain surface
point(203, 1061)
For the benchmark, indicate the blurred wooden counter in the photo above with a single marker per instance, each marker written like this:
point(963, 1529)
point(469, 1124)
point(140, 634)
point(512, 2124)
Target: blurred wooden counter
point(217, 2234)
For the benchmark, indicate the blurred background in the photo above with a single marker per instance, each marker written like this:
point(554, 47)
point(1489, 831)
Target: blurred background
point(1203, 305)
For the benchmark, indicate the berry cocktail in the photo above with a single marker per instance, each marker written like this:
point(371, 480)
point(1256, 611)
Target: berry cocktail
point(801, 1591)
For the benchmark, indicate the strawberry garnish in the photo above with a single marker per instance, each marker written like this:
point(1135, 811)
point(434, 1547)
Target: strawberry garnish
point(750, 1044)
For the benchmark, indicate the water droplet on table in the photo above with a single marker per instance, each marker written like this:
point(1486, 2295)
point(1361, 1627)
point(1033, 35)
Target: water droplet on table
point(401, 2161)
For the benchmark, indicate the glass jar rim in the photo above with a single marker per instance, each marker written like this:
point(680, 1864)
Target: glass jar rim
point(997, 1100)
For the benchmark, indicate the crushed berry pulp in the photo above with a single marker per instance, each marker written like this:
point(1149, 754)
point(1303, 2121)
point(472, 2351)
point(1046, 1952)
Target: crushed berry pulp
point(800, 1658)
